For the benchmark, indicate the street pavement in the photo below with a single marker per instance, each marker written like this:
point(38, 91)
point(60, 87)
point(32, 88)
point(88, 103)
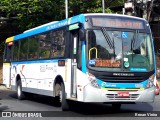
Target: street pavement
point(46, 106)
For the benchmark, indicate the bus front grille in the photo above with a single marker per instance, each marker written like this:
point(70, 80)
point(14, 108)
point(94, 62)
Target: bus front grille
point(121, 79)
point(131, 97)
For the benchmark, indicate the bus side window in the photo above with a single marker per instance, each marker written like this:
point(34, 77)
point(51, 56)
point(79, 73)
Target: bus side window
point(5, 53)
point(58, 44)
point(33, 48)
point(16, 51)
point(8, 53)
point(23, 49)
point(45, 47)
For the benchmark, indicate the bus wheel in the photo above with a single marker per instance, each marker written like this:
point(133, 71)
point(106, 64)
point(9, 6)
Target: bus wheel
point(20, 94)
point(116, 106)
point(61, 96)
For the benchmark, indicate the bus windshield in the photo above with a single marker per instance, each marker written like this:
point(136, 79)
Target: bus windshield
point(113, 50)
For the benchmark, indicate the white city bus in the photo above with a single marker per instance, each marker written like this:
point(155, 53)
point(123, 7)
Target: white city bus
point(88, 58)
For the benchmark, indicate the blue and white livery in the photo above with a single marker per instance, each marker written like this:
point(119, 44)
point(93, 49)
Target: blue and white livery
point(89, 58)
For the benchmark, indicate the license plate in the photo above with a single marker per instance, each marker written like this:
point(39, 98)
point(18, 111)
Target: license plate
point(123, 94)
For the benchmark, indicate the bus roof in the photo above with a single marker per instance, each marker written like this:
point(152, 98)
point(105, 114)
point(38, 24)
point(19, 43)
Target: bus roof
point(108, 14)
point(48, 27)
point(58, 24)
point(40, 26)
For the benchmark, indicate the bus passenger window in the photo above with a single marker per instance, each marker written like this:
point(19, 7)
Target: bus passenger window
point(8, 53)
point(58, 44)
point(33, 48)
point(23, 49)
point(45, 47)
point(16, 51)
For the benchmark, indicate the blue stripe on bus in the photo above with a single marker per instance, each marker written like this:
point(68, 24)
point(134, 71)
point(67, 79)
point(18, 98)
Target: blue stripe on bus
point(79, 18)
point(103, 84)
point(42, 29)
point(35, 61)
point(84, 69)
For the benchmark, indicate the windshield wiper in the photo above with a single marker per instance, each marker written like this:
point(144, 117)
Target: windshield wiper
point(113, 48)
point(108, 39)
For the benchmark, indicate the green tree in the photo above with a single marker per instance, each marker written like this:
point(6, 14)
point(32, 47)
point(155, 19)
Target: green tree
point(32, 13)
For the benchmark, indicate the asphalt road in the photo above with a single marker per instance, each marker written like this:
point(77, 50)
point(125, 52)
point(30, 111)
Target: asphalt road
point(42, 106)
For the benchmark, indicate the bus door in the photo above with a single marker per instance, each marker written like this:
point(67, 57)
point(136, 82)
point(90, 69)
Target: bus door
point(7, 64)
point(74, 42)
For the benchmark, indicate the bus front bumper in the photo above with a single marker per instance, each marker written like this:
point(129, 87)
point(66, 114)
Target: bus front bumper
point(92, 94)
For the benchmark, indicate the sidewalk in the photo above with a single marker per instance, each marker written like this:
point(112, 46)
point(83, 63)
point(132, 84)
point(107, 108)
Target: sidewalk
point(2, 87)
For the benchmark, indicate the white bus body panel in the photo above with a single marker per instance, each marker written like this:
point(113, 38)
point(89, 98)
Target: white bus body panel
point(38, 77)
point(82, 81)
point(6, 74)
point(99, 95)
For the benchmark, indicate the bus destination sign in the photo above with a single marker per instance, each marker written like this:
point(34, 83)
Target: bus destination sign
point(117, 23)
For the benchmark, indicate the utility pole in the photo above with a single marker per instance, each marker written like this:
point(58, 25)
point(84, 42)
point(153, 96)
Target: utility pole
point(103, 6)
point(66, 7)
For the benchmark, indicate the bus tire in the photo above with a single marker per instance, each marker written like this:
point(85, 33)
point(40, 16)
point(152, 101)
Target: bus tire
point(116, 106)
point(62, 96)
point(20, 93)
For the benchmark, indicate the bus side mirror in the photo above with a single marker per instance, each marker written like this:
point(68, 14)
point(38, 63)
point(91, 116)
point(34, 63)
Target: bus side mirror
point(82, 35)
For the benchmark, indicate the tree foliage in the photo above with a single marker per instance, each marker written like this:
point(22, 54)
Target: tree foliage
point(32, 13)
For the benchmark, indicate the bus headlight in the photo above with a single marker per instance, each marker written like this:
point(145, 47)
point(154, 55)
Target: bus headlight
point(150, 82)
point(93, 80)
